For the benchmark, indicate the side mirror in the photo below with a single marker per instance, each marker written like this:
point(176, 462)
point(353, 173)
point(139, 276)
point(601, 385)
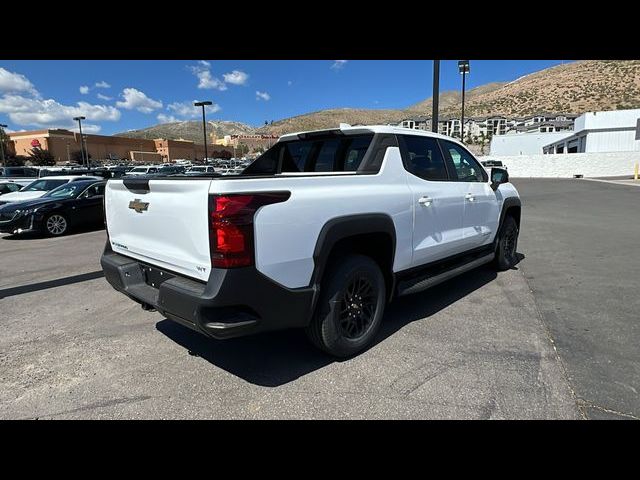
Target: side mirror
point(498, 177)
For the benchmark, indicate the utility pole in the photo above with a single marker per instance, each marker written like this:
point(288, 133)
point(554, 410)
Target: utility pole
point(79, 120)
point(463, 69)
point(435, 98)
point(204, 125)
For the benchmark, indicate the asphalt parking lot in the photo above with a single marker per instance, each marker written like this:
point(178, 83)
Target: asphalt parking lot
point(554, 338)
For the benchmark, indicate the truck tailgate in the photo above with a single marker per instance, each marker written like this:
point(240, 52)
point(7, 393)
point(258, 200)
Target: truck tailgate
point(166, 225)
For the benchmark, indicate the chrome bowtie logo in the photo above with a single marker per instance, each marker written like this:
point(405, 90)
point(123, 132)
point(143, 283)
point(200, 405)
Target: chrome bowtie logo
point(138, 205)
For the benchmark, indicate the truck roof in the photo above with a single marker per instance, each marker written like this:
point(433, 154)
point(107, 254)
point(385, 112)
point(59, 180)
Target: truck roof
point(370, 128)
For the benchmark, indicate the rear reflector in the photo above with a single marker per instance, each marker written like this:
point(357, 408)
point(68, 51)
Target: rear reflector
point(231, 226)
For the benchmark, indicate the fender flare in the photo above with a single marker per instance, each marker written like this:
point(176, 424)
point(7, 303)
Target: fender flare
point(506, 205)
point(339, 228)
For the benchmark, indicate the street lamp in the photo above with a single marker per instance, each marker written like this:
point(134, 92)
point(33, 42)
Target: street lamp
point(2, 126)
point(79, 120)
point(204, 126)
point(463, 69)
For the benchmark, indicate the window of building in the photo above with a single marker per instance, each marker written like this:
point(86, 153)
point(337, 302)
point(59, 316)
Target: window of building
point(423, 158)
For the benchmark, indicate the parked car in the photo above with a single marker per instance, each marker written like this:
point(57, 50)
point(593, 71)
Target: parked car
point(40, 187)
point(489, 164)
point(320, 232)
point(9, 187)
point(171, 170)
point(70, 205)
point(22, 175)
point(202, 169)
point(142, 170)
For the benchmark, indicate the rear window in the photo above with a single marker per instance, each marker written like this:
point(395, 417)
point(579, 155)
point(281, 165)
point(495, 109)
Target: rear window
point(328, 154)
point(43, 185)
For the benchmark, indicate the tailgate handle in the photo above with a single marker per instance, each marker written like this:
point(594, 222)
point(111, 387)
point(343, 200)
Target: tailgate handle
point(137, 184)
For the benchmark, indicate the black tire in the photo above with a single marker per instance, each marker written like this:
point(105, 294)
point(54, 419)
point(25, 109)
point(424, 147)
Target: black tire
point(350, 308)
point(55, 225)
point(507, 247)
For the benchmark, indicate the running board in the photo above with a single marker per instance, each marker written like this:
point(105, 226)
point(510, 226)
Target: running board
point(419, 284)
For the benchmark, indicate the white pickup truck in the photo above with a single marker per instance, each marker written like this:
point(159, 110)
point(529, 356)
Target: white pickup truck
point(320, 232)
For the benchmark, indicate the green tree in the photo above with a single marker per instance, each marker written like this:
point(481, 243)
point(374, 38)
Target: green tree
point(242, 149)
point(6, 142)
point(16, 161)
point(41, 157)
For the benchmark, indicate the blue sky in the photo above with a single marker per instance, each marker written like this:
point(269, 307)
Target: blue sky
point(121, 95)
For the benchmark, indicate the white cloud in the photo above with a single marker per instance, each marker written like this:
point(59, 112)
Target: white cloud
point(162, 118)
point(102, 84)
point(236, 77)
point(86, 128)
point(339, 64)
point(136, 100)
point(187, 109)
point(51, 114)
point(104, 97)
point(206, 80)
point(84, 89)
point(262, 96)
point(11, 82)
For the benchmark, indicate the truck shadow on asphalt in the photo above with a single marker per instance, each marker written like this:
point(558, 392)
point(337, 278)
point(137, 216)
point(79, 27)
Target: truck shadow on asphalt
point(276, 358)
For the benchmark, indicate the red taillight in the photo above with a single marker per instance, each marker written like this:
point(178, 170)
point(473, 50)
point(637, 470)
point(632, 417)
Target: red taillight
point(231, 226)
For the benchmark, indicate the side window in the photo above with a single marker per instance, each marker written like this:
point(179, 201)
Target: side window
point(424, 158)
point(466, 167)
point(296, 155)
point(95, 190)
point(327, 156)
point(355, 149)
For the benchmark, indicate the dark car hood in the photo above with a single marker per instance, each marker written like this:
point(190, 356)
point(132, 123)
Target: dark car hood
point(12, 207)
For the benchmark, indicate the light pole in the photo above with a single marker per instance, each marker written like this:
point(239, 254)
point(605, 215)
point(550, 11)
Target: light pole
point(436, 96)
point(2, 127)
point(204, 126)
point(463, 69)
point(79, 120)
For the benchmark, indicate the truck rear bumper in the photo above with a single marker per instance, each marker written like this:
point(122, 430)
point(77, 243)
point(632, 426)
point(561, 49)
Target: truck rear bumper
point(234, 302)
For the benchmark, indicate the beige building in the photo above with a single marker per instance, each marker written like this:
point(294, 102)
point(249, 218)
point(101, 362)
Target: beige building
point(251, 141)
point(63, 143)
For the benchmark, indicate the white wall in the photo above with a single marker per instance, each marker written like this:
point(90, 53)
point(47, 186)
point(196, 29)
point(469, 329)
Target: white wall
point(567, 165)
point(611, 119)
point(618, 141)
point(524, 143)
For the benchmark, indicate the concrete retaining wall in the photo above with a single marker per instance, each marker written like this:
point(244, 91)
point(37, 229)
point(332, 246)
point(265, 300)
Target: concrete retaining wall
point(569, 164)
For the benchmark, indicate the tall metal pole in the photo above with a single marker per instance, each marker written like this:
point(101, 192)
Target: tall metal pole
point(4, 160)
point(79, 120)
point(464, 76)
point(204, 135)
point(463, 68)
point(436, 96)
point(204, 126)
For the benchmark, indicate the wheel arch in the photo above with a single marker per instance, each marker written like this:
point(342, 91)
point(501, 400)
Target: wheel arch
point(511, 206)
point(373, 235)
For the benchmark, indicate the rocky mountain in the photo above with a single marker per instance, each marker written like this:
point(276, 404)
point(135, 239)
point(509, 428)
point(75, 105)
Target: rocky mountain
point(189, 130)
point(574, 87)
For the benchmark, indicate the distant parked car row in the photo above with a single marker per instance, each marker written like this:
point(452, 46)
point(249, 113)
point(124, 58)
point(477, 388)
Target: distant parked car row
point(52, 205)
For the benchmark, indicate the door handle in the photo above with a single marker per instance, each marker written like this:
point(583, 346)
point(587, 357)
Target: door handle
point(470, 197)
point(425, 201)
